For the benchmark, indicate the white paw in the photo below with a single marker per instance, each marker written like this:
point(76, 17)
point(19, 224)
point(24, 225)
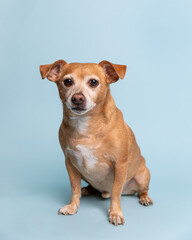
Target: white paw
point(105, 194)
point(68, 210)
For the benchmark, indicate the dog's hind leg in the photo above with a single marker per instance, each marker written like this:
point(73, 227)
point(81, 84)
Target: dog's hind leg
point(142, 179)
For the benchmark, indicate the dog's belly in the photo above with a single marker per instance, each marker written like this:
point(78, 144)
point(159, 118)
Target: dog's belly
point(97, 173)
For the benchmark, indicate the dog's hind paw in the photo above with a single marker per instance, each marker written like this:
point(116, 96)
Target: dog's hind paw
point(145, 200)
point(86, 191)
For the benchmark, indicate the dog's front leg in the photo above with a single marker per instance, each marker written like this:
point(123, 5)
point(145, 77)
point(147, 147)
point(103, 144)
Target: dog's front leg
point(75, 180)
point(115, 212)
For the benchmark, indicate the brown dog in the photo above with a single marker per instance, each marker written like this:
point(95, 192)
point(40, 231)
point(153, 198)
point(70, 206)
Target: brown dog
point(99, 146)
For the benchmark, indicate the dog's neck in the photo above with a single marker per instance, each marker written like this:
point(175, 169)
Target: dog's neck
point(93, 120)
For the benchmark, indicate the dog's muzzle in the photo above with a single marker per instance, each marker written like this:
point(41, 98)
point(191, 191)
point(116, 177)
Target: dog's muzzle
point(78, 102)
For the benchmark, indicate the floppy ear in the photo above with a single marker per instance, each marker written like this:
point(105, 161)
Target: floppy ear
point(52, 71)
point(113, 71)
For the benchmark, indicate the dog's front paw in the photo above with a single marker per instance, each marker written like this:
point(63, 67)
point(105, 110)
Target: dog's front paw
point(68, 210)
point(116, 217)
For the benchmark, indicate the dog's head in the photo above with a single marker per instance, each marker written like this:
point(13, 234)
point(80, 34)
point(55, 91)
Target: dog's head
point(82, 86)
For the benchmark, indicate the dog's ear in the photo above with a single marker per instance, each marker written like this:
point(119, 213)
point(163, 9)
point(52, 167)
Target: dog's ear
point(113, 71)
point(52, 71)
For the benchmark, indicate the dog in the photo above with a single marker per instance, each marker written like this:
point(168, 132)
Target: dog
point(98, 145)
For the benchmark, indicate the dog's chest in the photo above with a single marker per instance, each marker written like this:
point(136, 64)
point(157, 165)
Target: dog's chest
point(98, 173)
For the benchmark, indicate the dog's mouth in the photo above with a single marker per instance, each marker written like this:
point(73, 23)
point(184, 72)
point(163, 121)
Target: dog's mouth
point(79, 109)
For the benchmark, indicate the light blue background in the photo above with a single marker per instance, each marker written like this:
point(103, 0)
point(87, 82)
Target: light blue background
point(154, 40)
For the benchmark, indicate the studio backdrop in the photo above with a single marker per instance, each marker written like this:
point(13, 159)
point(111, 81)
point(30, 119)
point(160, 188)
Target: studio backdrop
point(154, 40)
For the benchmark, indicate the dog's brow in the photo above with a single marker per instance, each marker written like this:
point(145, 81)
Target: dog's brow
point(87, 77)
point(70, 75)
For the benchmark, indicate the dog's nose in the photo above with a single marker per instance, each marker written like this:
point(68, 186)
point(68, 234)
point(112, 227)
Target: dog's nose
point(78, 98)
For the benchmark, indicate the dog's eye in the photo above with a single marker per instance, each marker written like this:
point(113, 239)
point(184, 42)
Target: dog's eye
point(68, 82)
point(93, 83)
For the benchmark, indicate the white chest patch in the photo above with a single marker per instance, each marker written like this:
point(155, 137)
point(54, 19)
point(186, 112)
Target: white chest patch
point(80, 123)
point(97, 173)
point(84, 156)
